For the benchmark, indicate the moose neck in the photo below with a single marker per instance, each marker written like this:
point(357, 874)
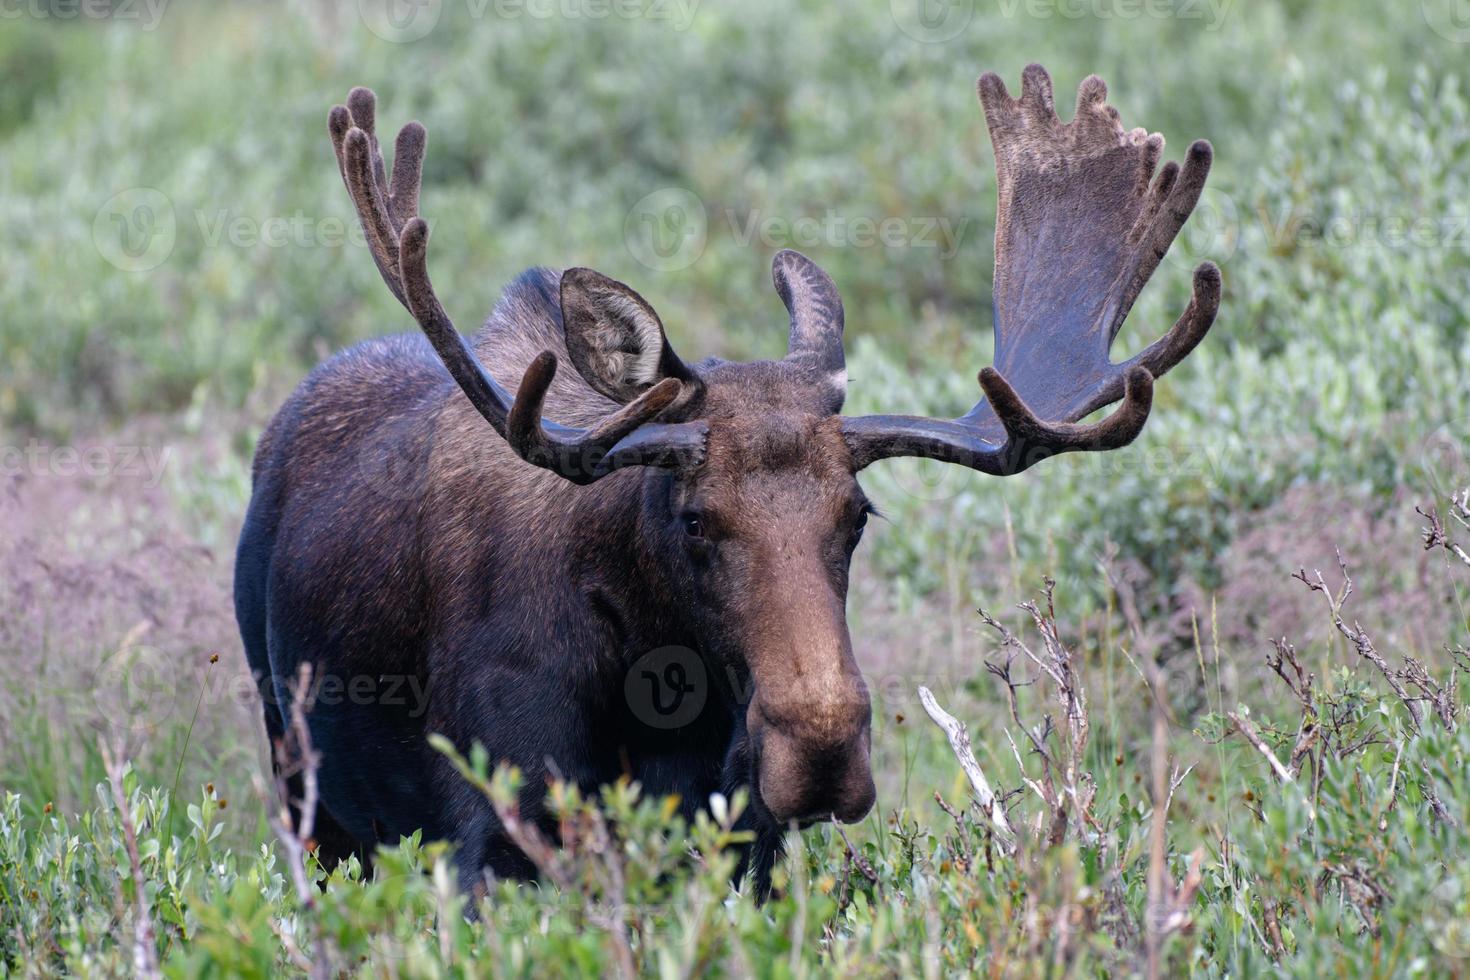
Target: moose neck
point(618, 544)
point(625, 576)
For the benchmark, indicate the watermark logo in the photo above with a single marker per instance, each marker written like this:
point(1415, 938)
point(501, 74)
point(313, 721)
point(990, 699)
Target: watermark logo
point(400, 21)
point(679, 13)
point(136, 229)
point(667, 688)
point(136, 688)
point(929, 480)
point(125, 462)
point(1212, 232)
point(1450, 19)
point(1445, 457)
point(667, 230)
point(298, 230)
point(395, 470)
point(932, 21)
point(405, 21)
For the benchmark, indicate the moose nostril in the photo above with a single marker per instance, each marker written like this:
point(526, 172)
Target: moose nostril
point(800, 782)
point(858, 799)
point(856, 794)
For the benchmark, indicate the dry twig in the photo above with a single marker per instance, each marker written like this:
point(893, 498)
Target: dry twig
point(1252, 736)
point(1168, 904)
point(295, 757)
point(1057, 663)
point(959, 742)
point(1358, 636)
point(145, 949)
point(1435, 535)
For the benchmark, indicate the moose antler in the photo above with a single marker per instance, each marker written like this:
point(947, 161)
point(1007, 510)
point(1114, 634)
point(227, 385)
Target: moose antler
point(399, 238)
point(1082, 222)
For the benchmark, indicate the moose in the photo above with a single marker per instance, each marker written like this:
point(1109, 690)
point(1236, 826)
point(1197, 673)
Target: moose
point(638, 567)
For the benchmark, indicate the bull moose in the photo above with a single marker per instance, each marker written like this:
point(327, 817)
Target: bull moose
point(701, 514)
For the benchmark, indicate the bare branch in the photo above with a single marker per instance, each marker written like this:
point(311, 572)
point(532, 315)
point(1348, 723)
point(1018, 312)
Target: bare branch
point(1075, 790)
point(1358, 636)
point(614, 922)
point(1168, 904)
point(296, 757)
point(1271, 917)
point(862, 863)
point(1435, 535)
point(1158, 830)
point(1175, 781)
point(1254, 737)
point(1298, 680)
point(529, 839)
point(1436, 805)
point(145, 949)
point(959, 742)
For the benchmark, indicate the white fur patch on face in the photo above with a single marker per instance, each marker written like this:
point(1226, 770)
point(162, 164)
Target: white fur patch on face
point(838, 380)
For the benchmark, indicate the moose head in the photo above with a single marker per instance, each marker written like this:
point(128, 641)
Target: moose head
point(743, 476)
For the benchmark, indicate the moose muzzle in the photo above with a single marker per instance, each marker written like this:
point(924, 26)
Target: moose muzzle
point(813, 738)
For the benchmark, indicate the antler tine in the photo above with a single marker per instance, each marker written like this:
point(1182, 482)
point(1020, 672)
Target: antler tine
point(363, 105)
point(1170, 201)
point(1175, 345)
point(1189, 329)
point(1029, 439)
point(1036, 93)
point(528, 434)
point(372, 210)
point(400, 196)
point(1024, 439)
point(383, 208)
point(408, 164)
point(339, 121)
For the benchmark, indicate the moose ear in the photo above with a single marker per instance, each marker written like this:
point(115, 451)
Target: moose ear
point(614, 339)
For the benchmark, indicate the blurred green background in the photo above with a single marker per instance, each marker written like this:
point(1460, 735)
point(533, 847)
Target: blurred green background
point(179, 251)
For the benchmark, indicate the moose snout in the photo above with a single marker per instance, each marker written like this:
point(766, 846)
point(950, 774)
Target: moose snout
point(814, 759)
point(806, 785)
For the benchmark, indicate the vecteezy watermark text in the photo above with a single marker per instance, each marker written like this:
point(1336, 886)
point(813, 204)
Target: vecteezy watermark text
point(1211, 13)
point(145, 13)
point(669, 228)
point(405, 21)
point(298, 230)
point(40, 459)
point(854, 231)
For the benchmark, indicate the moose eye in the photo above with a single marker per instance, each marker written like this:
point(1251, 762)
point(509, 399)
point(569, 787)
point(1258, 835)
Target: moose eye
point(694, 526)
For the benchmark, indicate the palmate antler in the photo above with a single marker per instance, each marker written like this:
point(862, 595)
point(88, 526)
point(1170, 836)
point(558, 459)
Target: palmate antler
point(399, 238)
point(1082, 222)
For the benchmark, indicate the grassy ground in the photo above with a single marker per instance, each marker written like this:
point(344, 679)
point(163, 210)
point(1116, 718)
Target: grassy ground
point(178, 255)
